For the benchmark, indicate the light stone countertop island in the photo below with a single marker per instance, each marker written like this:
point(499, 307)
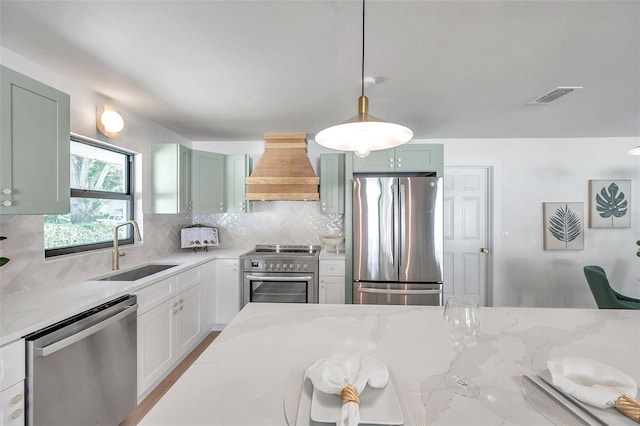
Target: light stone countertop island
point(247, 373)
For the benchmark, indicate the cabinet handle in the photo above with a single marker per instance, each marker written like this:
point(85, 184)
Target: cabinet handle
point(16, 399)
point(175, 311)
point(7, 191)
point(175, 304)
point(181, 308)
point(7, 203)
point(16, 414)
point(181, 300)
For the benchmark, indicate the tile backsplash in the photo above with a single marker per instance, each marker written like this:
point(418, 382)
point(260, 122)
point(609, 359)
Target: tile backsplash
point(273, 222)
point(270, 222)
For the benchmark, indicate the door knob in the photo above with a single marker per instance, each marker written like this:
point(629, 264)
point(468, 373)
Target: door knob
point(484, 250)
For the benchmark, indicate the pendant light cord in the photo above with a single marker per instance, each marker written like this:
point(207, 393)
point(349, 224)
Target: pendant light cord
point(362, 73)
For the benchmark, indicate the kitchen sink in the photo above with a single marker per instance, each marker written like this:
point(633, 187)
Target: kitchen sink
point(138, 273)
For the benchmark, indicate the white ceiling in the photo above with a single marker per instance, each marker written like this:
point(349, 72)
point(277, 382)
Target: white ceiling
point(234, 70)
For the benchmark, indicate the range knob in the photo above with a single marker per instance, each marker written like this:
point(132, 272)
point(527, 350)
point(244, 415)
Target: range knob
point(277, 266)
point(270, 266)
point(291, 266)
point(305, 266)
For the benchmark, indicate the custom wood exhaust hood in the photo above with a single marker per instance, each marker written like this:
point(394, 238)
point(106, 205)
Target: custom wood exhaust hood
point(284, 171)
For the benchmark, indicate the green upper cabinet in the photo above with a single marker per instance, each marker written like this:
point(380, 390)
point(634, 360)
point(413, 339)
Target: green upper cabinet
point(332, 183)
point(404, 158)
point(171, 178)
point(207, 182)
point(34, 146)
point(237, 169)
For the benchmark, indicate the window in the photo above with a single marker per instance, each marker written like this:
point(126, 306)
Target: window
point(101, 196)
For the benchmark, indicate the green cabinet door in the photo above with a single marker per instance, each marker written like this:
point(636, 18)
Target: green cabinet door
point(237, 169)
point(376, 161)
point(420, 158)
point(34, 146)
point(332, 183)
point(170, 178)
point(207, 182)
point(404, 158)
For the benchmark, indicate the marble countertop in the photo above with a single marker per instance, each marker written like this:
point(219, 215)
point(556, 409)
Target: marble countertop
point(242, 378)
point(25, 312)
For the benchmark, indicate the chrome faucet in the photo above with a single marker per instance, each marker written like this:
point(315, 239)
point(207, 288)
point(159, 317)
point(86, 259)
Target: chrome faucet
point(115, 259)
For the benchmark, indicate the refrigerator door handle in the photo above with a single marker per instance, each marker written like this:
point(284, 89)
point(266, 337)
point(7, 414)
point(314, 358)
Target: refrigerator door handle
point(397, 232)
point(402, 225)
point(391, 291)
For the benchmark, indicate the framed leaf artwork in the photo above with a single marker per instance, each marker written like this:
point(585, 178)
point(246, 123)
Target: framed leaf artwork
point(563, 226)
point(610, 203)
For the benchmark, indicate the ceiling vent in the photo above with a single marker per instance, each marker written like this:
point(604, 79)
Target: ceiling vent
point(284, 171)
point(554, 94)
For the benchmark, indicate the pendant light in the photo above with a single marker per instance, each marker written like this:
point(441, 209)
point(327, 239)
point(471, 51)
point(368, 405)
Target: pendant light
point(363, 133)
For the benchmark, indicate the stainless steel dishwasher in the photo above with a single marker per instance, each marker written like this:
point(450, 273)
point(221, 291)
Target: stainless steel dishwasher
point(82, 371)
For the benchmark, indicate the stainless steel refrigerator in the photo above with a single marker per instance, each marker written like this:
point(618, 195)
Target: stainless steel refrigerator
point(397, 240)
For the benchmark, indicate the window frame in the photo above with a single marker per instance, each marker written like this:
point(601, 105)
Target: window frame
point(127, 195)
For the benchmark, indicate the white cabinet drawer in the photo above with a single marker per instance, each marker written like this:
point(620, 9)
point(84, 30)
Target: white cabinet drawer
point(12, 405)
point(12, 364)
point(189, 278)
point(155, 294)
point(333, 268)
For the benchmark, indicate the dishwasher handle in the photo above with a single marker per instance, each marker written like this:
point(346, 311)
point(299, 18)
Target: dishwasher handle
point(61, 344)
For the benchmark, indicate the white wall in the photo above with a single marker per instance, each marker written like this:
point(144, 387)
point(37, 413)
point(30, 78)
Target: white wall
point(528, 172)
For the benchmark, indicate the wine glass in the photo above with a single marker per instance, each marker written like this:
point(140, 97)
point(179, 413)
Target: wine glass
point(463, 317)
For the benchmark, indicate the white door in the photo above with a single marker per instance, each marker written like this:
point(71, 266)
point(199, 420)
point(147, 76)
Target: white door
point(467, 221)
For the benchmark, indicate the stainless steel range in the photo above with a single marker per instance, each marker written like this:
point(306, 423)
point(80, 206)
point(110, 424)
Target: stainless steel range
point(280, 274)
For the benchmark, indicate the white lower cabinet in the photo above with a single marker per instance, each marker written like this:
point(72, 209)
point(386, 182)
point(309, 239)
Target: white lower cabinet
point(227, 290)
point(13, 405)
point(209, 295)
point(170, 324)
point(331, 287)
point(188, 316)
point(12, 374)
point(155, 345)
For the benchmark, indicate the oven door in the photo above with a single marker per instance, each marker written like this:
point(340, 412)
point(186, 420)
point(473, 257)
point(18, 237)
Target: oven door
point(279, 287)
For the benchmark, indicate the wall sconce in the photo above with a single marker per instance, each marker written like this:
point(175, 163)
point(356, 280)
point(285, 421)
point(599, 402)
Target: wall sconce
point(108, 121)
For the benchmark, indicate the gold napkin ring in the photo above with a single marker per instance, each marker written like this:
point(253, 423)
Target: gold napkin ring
point(627, 406)
point(349, 394)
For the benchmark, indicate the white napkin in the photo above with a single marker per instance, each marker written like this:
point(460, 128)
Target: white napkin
point(591, 381)
point(333, 374)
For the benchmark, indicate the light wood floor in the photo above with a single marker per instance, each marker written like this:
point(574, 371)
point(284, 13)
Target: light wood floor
point(143, 408)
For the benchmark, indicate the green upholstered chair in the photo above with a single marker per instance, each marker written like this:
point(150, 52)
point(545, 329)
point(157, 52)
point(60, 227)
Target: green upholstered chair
point(606, 297)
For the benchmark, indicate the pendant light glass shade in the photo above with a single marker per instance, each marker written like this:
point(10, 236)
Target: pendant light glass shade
point(364, 133)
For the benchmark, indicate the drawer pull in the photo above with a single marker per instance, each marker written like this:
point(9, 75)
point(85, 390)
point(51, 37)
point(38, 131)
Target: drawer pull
point(16, 414)
point(16, 399)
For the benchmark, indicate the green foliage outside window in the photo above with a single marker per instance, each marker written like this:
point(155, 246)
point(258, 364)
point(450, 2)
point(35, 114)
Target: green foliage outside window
point(101, 197)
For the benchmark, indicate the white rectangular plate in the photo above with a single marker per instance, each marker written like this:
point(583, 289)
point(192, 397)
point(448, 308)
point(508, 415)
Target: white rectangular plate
point(378, 406)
